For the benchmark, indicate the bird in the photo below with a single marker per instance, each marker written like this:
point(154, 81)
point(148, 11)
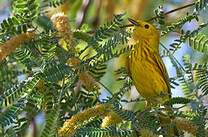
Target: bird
point(145, 67)
point(144, 64)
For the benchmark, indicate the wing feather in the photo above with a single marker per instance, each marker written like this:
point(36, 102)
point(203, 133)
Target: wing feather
point(163, 71)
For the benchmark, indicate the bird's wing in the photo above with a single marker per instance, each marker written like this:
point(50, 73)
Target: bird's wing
point(163, 71)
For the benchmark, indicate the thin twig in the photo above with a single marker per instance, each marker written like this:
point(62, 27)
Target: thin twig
point(169, 12)
point(105, 87)
point(174, 10)
point(78, 87)
point(139, 117)
point(35, 130)
point(183, 7)
point(172, 56)
point(154, 17)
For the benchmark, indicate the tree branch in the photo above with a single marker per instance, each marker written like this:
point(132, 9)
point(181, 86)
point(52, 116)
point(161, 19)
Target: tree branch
point(82, 14)
point(169, 12)
point(174, 10)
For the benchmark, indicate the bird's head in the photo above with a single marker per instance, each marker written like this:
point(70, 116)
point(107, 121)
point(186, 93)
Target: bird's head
point(144, 30)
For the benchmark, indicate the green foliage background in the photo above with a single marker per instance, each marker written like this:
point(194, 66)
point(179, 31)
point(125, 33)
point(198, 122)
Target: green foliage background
point(44, 58)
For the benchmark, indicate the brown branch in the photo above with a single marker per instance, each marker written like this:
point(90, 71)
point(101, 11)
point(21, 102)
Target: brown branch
point(35, 130)
point(154, 17)
point(139, 117)
point(82, 14)
point(174, 10)
point(169, 12)
point(78, 87)
point(97, 16)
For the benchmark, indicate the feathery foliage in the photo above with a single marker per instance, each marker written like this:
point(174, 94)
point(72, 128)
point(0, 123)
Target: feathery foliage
point(199, 43)
point(64, 78)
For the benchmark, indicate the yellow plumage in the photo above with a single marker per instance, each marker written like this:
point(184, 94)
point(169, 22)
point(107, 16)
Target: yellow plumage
point(144, 64)
point(146, 68)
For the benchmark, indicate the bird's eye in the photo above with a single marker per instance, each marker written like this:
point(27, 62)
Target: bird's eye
point(146, 26)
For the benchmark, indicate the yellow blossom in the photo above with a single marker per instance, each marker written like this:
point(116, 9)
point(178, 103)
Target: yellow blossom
point(187, 126)
point(14, 43)
point(147, 133)
point(76, 121)
point(111, 119)
point(88, 81)
point(61, 23)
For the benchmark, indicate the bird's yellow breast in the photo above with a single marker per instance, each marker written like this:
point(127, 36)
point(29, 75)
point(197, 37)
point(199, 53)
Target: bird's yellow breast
point(145, 73)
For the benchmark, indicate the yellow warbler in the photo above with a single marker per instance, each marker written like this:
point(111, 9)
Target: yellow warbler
point(144, 64)
point(146, 68)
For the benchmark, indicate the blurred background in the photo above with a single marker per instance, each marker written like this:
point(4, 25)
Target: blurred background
point(89, 14)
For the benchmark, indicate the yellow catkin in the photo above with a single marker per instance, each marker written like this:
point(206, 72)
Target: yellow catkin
point(147, 133)
point(187, 126)
point(88, 81)
point(61, 23)
point(111, 119)
point(14, 43)
point(73, 62)
point(43, 89)
point(41, 85)
point(71, 125)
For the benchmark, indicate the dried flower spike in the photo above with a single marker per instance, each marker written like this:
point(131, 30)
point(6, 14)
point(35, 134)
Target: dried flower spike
point(61, 23)
point(111, 119)
point(88, 81)
point(147, 133)
point(70, 126)
point(187, 126)
point(14, 43)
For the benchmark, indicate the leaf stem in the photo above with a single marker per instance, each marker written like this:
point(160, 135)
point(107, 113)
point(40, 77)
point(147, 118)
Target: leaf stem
point(105, 87)
point(172, 56)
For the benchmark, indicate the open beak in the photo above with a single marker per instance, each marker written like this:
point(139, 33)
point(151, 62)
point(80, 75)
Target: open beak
point(134, 22)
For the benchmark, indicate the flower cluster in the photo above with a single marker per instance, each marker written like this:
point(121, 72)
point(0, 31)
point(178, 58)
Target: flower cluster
point(14, 43)
point(76, 121)
point(111, 119)
point(147, 133)
point(61, 23)
point(187, 126)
